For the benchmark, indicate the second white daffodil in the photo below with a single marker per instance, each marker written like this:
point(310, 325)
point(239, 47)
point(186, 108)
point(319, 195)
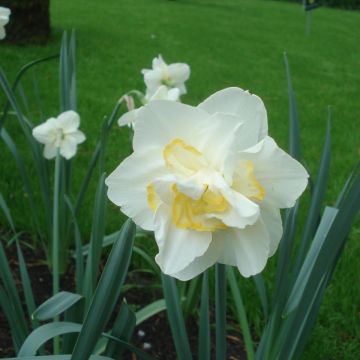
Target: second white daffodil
point(171, 76)
point(60, 133)
point(209, 182)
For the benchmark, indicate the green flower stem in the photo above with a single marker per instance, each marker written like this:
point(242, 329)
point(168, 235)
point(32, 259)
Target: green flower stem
point(220, 311)
point(55, 239)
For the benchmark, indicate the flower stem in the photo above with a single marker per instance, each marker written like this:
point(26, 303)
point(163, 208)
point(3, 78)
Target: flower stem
point(220, 311)
point(55, 240)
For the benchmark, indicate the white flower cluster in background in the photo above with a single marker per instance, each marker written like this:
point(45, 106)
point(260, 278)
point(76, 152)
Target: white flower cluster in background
point(210, 183)
point(163, 82)
point(60, 133)
point(4, 19)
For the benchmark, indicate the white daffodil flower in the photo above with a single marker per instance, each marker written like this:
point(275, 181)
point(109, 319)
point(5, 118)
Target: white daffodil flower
point(172, 76)
point(60, 133)
point(162, 93)
point(4, 19)
point(209, 182)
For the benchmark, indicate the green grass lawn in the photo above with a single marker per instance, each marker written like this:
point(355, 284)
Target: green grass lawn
point(226, 43)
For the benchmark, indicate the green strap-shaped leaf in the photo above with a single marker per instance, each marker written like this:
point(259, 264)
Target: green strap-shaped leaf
point(204, 352)
point(176, 318)
point(43, 334)
point(220, 311)
point(241, 313)
point(56, 305)
point(123, 329)
point(150, 310)
point(107, 292)
point(97, 235)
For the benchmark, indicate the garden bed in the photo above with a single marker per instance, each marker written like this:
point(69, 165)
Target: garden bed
point(152, 336)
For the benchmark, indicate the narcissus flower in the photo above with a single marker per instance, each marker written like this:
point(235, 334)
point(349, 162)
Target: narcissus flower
point(209, 182)
point(172, 76)
point(162, 93)
point(60, 133)
point(4, 19)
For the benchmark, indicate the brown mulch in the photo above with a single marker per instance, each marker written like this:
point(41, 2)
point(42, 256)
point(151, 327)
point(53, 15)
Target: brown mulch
point(152, 336)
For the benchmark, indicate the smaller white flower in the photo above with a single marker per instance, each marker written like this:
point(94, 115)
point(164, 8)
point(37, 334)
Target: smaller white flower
point(172, 76)
point(61, 132)
point(4, 19)
point(162, 93)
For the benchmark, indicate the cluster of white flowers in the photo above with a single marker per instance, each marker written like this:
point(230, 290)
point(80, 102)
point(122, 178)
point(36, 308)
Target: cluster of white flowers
point(61, 134)
point(209, 181)
point(163, 82)
point(4, 19)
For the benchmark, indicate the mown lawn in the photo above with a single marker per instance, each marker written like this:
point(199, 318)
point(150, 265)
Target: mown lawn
point(227, 43)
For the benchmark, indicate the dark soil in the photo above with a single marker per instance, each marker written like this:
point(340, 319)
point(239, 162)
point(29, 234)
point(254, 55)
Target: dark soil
point(152, 336)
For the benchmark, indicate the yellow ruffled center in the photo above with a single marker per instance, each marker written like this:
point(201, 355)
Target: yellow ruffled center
point(199, 213)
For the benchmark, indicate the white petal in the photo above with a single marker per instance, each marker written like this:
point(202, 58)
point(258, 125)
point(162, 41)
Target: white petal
point(162, 121)
point(153, 80)
point(77, 136)
point(174, 94)
point(69, 121)
point(177, 247)
point(129, 117)
point(272, 220)
point(248, 249)
point(68, 148)
point(215, 139)
point(201, 263)
point(236, 101)
point(127, 186)
point(283, 178)
point(178, 73)
point(50, 151)
point(241, 212)
point(46, 132)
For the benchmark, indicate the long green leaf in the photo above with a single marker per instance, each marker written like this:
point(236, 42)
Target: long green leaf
point(79, 259)
point(11, 290)
point(17, 334)
point(123, 329)
point(317, 199)
point(176, 318)
point(43, 334)
point(204, 352)
point(97, 235)
point(6, 211)
point(26, 284)
point(241, 314)
point(107, 292)
point(220, 311)
point(56, 305)
point(150, 310)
